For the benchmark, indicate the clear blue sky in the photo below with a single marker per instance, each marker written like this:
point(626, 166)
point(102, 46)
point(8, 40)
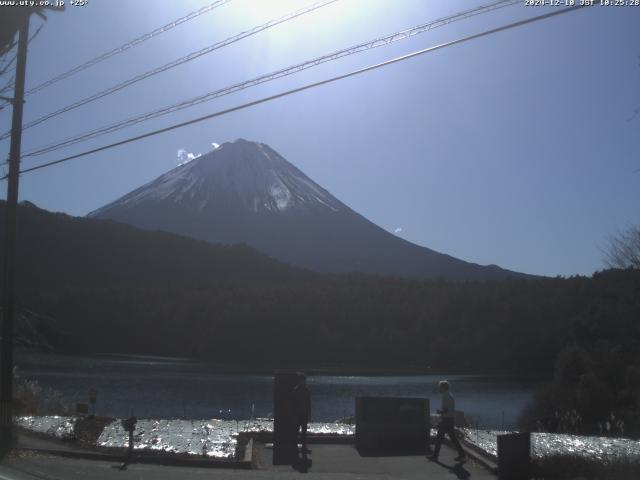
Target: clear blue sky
point(516, 149)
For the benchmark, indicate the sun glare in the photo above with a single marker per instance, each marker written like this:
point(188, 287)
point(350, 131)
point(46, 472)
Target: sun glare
point(273, 7)
point(265, 10)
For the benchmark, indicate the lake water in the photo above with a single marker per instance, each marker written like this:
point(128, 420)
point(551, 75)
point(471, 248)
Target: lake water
point(176, 388)
point(219, 438)
point(605, 450)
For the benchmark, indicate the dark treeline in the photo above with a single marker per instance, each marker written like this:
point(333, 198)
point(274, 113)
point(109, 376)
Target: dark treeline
point(56, 250)
point(103, 287)
point(517, 326)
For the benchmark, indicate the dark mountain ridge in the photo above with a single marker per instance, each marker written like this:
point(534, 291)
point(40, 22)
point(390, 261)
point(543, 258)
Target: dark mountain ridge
point(55, 250)
point(99, 286)
point(245, 192)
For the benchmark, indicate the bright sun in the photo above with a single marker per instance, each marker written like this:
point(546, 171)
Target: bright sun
point(271, 9)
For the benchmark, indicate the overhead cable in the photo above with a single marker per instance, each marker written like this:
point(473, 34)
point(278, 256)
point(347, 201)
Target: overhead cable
point(371, 44)
point(172, 64)
point(126, 46)
point(309, 86)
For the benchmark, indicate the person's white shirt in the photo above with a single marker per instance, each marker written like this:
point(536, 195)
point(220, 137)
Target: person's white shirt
point(448, 406)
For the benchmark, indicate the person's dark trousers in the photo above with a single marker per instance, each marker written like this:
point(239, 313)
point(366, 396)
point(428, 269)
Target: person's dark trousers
point(446, 426)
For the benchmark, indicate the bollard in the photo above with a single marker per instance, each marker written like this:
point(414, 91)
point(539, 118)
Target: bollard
point(129, 425)
point(285, 431)
point(93, 397)
point(392, 424)
point(514, 456)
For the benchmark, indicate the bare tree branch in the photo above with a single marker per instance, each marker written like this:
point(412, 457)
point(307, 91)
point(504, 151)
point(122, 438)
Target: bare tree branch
point(7, 86)
point(623, 250)
point(7, 62)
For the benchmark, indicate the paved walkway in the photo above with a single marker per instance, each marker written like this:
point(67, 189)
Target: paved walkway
point(38, 442)
point(337, 462)
point(327, 461)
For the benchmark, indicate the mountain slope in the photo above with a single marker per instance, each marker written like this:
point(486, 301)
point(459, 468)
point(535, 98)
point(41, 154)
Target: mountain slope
point(57, 251)
point(99, 286)
point(245, 192)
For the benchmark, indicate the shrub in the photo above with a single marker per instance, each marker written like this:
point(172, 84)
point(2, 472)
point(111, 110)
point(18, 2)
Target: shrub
point(31, 398)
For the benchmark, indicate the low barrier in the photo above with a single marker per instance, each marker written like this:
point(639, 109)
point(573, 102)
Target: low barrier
point(392, 424)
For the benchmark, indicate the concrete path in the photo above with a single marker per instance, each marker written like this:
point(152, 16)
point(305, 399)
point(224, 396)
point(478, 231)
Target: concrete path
point(40, 442)
point(331, 461)
point(339, 462)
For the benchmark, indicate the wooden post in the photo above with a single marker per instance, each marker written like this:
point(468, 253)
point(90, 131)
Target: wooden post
point(8, 265)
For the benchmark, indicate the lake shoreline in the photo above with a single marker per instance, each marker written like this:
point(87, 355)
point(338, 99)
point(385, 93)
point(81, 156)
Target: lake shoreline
point(155, 387)
point(238, 368)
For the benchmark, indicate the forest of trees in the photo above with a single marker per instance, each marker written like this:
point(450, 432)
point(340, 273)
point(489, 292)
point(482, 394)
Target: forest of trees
point(102, 287)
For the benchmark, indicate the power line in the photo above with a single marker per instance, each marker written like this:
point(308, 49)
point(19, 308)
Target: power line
point(5, 68)
point(377, 42)
point(175, 63)
point(126, 46)
point(122, 48)
point(307, 87)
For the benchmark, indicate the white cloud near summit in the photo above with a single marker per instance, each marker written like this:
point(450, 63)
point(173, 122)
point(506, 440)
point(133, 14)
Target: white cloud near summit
point(185, 157)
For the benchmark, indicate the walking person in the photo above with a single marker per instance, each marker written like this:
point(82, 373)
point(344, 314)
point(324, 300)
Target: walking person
point(302, 409)
point(447, 413)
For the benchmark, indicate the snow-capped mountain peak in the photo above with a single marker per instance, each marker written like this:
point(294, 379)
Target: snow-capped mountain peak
point(245, 192)
point(244, 173)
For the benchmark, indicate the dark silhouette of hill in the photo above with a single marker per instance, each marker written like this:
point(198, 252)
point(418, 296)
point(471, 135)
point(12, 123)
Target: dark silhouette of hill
point(55, 250)
point(245, 192)
point(98, 286)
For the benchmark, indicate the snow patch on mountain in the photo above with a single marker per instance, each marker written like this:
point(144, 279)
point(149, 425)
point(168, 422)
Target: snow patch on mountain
point(281, 196)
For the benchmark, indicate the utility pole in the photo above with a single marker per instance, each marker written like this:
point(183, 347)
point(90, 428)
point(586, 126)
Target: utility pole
point(8, 265)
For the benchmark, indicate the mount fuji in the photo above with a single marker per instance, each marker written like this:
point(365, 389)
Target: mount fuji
point(245, 192)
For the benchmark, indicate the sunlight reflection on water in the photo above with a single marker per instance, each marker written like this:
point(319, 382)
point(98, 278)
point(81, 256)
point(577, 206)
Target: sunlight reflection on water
point(219, 438)
point(603, 449)
point(213, 438)
point(58, 427)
